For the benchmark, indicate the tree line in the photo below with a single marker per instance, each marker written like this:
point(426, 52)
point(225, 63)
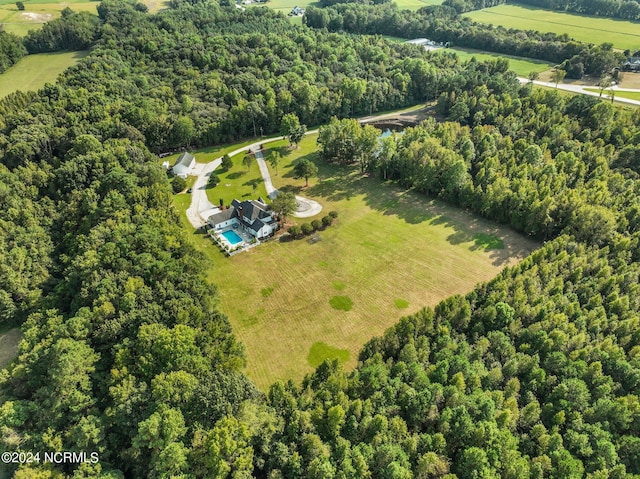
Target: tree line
point(442, 23)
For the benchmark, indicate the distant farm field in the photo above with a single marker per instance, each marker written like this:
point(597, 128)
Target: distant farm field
point(36, 13)
point(522, 66)
point(623, 34)
point(33, 71)
point(285, 6)
point(390, 253)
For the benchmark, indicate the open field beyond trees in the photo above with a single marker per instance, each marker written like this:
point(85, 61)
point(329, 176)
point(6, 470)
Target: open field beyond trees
point(622, 33)
point(522, 66)
point(285, 6)
point(37, 13)
point(33, 71)
point(390, 253)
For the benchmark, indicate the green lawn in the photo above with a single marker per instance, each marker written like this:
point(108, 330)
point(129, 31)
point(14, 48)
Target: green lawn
point(632, 95)
point(590, 29)
point(522, 66)
point(389, 253)
point(237, 183)
point(36, 13)
point(33, 71)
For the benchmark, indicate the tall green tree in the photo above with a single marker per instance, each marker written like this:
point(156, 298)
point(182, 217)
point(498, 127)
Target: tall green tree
point(305, 169)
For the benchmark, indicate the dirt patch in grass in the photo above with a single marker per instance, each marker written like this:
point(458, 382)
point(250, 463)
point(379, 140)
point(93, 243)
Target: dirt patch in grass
point(342, 303)
point(320, 351)
point(9, 342)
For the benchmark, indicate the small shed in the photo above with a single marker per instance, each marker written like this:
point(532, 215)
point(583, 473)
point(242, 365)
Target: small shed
point(184, 164)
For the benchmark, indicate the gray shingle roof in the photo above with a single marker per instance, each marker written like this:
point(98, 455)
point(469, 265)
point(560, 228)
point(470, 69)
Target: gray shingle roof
point(222, 216)
point(184, 160)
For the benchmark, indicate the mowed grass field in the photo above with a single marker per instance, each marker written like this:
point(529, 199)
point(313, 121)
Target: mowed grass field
point(36, 13)
point(33, 71)
point(522, 66)
point(237, 183)
point(390, 253)
point(622, 33)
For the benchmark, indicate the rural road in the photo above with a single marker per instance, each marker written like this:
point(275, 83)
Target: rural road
point(582, 89)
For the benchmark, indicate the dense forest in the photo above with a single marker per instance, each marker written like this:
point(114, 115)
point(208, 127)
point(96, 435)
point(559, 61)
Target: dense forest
point(534, 374)
point(443, 24)
point(11, 50)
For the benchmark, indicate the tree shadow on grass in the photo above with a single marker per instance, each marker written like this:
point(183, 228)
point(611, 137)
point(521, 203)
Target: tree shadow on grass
point(336, 183)
point(236, 174)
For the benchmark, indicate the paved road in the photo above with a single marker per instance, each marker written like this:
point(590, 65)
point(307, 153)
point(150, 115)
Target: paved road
point(199, 201)
point(306, 207)
point(264, 171)
point(581, 89)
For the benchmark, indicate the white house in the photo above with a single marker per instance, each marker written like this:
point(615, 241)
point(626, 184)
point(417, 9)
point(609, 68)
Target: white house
point(184, 164)
point(250, 215)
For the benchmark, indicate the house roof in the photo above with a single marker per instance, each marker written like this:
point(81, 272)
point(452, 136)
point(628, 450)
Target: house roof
point(257, 224)
point(222, 216)
point(252, 212)
point(184, 160)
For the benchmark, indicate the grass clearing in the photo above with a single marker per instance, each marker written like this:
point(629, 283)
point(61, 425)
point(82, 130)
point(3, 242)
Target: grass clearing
point(522, 66)
point(36, 13)
point(321, 351)
point(33, 71)
point(623, 34)
point(238, 183)
point(386, 243)
point(9, 341)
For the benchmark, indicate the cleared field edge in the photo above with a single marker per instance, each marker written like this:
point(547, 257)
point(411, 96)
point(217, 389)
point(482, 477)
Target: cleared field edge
point(278, 296)
point(33, 71)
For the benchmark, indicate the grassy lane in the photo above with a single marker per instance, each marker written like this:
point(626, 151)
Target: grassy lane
point(632, 95)
point(33, 71)
point(390, 253)
point(590, 29)
point(522, 66)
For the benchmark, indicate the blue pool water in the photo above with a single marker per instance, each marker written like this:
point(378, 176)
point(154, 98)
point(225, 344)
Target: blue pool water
point(232, 237)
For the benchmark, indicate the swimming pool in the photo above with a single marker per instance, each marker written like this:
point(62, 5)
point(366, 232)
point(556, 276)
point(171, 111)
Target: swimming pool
point(232, 237)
